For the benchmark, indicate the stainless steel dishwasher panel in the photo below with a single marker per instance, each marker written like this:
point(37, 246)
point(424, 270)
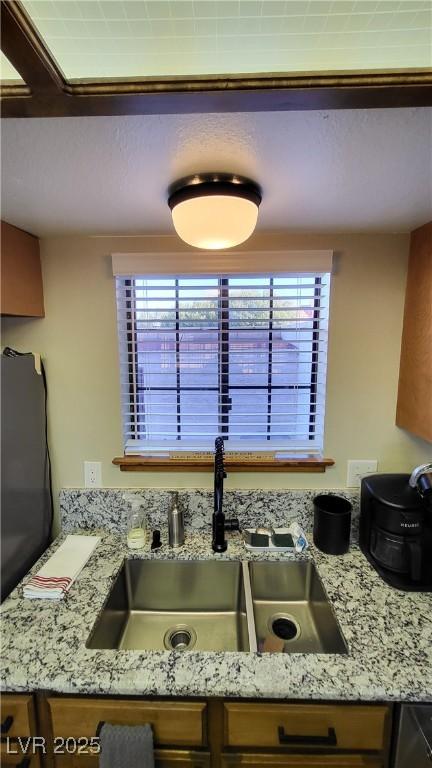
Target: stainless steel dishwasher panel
point(414, 739)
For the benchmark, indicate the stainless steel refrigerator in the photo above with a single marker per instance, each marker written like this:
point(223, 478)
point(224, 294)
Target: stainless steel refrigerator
point(26, 499)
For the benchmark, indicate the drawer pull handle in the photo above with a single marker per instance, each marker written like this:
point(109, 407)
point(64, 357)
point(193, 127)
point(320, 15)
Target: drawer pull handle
point(6, 724)
point(330, 740)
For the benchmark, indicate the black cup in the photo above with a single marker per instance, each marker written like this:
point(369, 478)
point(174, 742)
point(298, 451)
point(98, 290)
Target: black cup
point(332, 524)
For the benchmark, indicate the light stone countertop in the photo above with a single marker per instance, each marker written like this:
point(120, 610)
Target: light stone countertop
point(389, 634)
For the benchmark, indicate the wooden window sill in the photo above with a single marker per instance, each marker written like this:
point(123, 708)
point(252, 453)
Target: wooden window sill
point(144, 464)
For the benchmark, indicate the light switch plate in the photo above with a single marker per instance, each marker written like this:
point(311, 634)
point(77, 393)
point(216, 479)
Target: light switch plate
point(93, 474)
point(358, 468)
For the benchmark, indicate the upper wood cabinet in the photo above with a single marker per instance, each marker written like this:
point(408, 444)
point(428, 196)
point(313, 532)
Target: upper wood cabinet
point(21, 276)
point(414, 407)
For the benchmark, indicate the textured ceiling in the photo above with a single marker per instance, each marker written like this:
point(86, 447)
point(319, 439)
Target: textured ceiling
point(185, 37)
point(342, 170)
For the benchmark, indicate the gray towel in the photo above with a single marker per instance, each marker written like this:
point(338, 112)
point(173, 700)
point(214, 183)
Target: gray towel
point(126, 746)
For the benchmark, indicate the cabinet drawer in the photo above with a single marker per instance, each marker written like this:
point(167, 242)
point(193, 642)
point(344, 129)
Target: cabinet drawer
point(303, 725)
point(17, 715)
point(164, 758)
point(19, 761)
point(176, 723)
point(299, 761)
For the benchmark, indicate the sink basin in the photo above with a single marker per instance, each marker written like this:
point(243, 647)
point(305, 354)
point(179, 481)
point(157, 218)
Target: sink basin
point(208, 605)
point(166, 604)
point(291, 610)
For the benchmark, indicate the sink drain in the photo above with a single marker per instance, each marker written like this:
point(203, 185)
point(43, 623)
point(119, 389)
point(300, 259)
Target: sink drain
point(284, 627)
point(180, 638)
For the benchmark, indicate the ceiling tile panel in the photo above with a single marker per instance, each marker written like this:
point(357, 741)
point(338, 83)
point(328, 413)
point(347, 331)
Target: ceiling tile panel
point(91, 10)
point(262, 35)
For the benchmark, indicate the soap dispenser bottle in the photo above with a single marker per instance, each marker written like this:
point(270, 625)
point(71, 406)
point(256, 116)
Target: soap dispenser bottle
point(176, 533)
point(136, 527)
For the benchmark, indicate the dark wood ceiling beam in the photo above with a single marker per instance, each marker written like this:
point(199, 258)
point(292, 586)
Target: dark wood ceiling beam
point(25, 49)
point(118, 101)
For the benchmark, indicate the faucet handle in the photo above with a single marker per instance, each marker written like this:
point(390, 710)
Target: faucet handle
point(232, 524)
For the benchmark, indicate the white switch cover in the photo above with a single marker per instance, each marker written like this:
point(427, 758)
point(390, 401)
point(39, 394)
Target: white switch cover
point(357, 468)
point(93, 474)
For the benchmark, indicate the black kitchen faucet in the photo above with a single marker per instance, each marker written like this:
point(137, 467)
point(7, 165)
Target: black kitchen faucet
point(220, 525)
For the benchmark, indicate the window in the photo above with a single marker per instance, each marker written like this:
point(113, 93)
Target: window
point(243, 357)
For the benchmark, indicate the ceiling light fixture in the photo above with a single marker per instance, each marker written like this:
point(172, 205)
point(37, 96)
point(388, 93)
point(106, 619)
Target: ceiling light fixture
point(214, 210)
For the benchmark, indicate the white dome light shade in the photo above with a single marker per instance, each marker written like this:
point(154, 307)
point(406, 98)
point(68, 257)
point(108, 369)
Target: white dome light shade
point(214, 211)
point(216, 221)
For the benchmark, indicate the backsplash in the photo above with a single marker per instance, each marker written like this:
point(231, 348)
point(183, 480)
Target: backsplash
point(105, 507)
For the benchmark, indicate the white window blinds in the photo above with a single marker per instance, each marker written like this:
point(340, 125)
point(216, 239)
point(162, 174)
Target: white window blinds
point(242, 357)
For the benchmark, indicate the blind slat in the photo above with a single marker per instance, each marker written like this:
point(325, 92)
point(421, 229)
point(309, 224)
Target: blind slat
point(152, 285)
point(287, 435)
point(193, 326)
point(206, 444)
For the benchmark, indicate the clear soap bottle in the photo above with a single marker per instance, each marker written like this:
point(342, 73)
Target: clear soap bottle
point(136, 528)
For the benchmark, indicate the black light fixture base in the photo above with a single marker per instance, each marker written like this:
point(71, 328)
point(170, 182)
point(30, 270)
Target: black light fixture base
point(213, 183)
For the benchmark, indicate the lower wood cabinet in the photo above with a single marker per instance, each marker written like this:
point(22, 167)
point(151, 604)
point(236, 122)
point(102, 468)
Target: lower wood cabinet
point(205, 734)
point(299, 761)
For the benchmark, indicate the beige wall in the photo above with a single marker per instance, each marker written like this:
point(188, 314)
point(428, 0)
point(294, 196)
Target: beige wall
point(78, 342)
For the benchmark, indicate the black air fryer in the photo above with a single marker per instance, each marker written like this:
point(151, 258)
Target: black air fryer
point(396, 531)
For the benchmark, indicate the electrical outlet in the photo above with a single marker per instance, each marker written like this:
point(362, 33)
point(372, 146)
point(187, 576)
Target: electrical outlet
point(357, 469)
point(92, 474)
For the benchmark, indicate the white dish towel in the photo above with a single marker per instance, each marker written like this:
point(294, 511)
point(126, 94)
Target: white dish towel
point(56, 577)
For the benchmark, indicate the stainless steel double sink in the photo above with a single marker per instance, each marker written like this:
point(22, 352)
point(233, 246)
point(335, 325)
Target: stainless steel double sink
point(208, 605)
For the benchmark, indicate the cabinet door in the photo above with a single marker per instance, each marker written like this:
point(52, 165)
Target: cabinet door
point(21, 276)
point(233, 760)
point(414, 411)
point(18, 726)
point(164, 758)
point(17, 715)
